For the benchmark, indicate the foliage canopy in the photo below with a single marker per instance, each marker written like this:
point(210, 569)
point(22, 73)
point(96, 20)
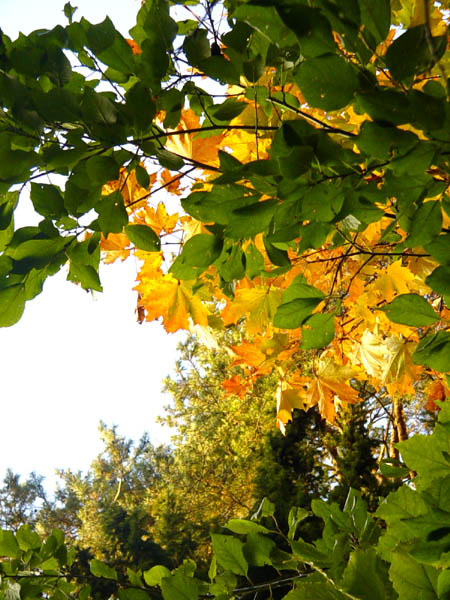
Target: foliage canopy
point(309, 144)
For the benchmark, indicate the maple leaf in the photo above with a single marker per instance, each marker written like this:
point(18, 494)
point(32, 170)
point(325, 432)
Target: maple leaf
point(287, 399)
point(393, 281)
point(115, 246)
point(236, 385)
point(258, 304)
point(170, 183)
point(387, 359)
point(158, 219)
point(248, 353)
point(436, 391)
point(328, 387)
point(203, 150)
point(161, 295)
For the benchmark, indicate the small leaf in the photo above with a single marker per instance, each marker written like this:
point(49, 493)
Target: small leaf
point(318, 331)
point(410, 309)
point(244, 526)
point(155, 575)
point(143, 237)
point(101, 569)
point(434, 351)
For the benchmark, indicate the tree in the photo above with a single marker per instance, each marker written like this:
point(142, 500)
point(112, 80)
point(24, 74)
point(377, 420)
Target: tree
point(318, 213)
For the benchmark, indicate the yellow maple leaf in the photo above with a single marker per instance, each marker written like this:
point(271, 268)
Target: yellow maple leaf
point(394, 280)
point(328, 387)
point(258, 304)
point(158, 219)
point(115, 246)
point(173, 301)
point(287, 399)
point(203, 150)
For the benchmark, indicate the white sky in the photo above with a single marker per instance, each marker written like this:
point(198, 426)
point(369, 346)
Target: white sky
point(74, 359)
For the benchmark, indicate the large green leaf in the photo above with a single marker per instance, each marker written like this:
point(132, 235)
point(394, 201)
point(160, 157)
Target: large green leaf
point(410, 309)
point(229, 553)
point(414, 52)
point(434, 351)
point(101, 569)
point(317, 77)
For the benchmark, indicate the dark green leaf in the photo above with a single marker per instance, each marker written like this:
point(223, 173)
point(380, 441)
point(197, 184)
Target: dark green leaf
point(227, 111)
point(201, 250)
point(47, 200)
point(439, 281)
point(248, 221)
point(410, 309)
point(169, 160)
point(197, 47)
point(112, 215)
point(426, 224)
point(414, 52)
point(434, 351)
point(316, 78)
point(143, 237)
point(8, 203)
point(318, 331)
point(85, 275)
point(140, 105)
point(293, 314)
point(102, 169)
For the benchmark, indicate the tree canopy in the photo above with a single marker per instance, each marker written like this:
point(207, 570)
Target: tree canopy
point(308, 143)
point(280, 165)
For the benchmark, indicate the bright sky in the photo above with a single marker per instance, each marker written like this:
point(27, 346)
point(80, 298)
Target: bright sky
point(74, 359)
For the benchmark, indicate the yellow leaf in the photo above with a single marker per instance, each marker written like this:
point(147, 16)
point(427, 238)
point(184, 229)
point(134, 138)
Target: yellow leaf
point(258, 304)
point(328, 387)
point(115, 247)
point(287, 399)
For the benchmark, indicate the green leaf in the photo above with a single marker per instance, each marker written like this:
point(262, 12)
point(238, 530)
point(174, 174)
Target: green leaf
point(229, 553)
point(8, 545)
point(414, 52)
point(391, 467)
point(169, 160)
point(309, 553)
point(102, 169)
point(179, 587)
point(27, 538)
point(140, 104)
point(133, 594)
point(101, 569)
point(317, 77)
point(196, 46)
point(143, 237)
point(257, 550)
point(12, 305)
point(443, 584)
point(227, 111)
point(410, 309)
point(433, 351)
point(248, 221)
point(8, 203)
point(244, 526)
point(295, 517)
point(412, 579)
point(201, 250)
point(318, 331)
point(439, 281)
point(85, 275)
point(155, 575)
point(375, 19)
point(47, 200)
point(363, 575)
point(311, 28)
point(112, 214)
point(299, 300)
